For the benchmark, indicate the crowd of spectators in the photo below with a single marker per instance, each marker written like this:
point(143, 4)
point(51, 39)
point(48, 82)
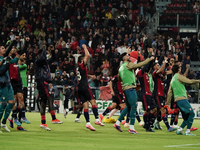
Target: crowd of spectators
point(107, 27)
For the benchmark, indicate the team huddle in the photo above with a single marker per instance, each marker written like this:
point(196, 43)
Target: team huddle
point(159, 99)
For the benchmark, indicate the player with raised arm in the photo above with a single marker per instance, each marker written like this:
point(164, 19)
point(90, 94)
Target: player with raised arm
point(149, 104)
point(16, 82)
point(7, 95)
point(43, 77)
point(159, 95)
point(127, 76)
point(177, 88)
point(84, 93)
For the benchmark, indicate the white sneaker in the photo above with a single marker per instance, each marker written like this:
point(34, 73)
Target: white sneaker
point(126, 125)
point(141, 123)
point(77, 120)
point(44, 126)
point(66, 112)
point(175, 126)
point(5, 127)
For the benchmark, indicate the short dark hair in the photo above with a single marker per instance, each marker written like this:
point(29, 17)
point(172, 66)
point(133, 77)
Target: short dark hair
point(175, 69)
point(153, 65)
point(122, 55)
point(80, 58)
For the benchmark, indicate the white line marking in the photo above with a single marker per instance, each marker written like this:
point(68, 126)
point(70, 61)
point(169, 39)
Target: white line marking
point(182, 146)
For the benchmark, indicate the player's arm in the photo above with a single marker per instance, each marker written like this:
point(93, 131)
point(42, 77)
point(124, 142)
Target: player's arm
point(169, 96)
point(5, 67)
point(52, 59)
point(87, 54)
point(114, 80)
point(187, 70)
point(131, 65)
point(112, 92)
point(19, 53)
point(168, 72)
point(10, 46)
point(185, 80)
point(163, 66)
point(43, 57)
point(90, 76)
point(22, 67)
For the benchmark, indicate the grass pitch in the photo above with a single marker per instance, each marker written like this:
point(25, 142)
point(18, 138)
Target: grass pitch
point(74, 136)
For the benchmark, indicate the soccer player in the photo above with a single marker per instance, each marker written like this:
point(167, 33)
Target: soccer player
point(16, 82)
point(23, 71)
point(159, 95)
point(177, 88)
point(7, 95)
point(127, 76)
point(84, 94)
point(43, 77)
point(149, 104)
point(117, 97)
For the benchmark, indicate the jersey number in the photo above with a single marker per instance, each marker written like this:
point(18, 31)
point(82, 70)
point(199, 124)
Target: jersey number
point(78, 76)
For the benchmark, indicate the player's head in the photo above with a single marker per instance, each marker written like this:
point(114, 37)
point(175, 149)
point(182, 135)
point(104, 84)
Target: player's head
point(2, 50)
point(80, 59)
point(176, 69)
point(125, 57)
point(22, 58)
point(156, 66)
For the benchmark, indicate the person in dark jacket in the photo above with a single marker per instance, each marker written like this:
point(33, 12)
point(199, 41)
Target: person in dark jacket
point(43, 77)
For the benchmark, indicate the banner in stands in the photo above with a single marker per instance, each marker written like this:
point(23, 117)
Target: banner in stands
point(102, 105)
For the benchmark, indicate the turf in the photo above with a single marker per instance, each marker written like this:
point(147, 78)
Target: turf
point(75, 136)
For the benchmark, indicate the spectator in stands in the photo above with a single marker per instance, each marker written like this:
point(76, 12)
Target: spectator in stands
point(179, 53)
point(91, 81)
point(97, 81)
point(188, 47)
point(22, 22)
point(169, 41)
point(67, 17)
point(194, 48)
point(56, 81)
point(53, 68)
point(58, 71)
point(82, 41)
point(105, 79)
point(61, 44)
point(71, 79)
point(196, 7)
point(88, 15)
point(142, 10)
point(136, 29)
point(108, 15)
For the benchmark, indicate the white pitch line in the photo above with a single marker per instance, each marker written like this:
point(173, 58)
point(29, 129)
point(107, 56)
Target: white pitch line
point(189, 147)
point(182, 145)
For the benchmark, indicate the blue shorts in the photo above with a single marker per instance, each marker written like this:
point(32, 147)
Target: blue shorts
point(6, 94)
